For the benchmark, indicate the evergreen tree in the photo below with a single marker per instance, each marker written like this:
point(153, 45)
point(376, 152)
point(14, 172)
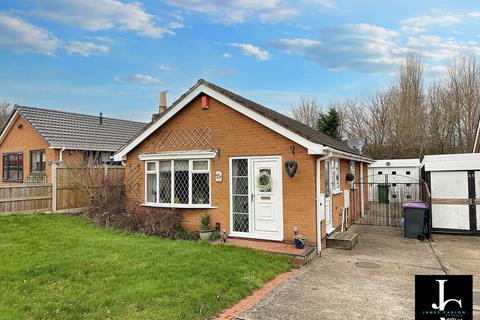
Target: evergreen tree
point(329, 123)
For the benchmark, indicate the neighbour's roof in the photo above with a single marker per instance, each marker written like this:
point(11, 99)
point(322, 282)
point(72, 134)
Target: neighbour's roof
point(452, 162)
point(79, 131)
point(286, 122)
point(395, 163)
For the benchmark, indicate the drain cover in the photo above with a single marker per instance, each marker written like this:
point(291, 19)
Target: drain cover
point(367, 265)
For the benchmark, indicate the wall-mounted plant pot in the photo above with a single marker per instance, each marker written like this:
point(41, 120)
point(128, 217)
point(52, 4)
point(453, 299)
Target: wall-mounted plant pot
point(350, 177)
point(205, 234)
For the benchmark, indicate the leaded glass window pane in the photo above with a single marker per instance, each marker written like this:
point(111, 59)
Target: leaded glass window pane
point(240, 195)
point(200, 188)
point(181, 181)
point(165, 182)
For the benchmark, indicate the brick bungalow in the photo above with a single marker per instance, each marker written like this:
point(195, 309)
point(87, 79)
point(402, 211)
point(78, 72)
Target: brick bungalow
point(258, 173)
point(34, 138)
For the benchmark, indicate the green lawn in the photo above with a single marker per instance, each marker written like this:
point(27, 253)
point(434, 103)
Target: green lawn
point(59, 267)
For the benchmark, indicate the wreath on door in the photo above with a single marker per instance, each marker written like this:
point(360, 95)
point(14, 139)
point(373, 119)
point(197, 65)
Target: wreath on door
point(264, 181)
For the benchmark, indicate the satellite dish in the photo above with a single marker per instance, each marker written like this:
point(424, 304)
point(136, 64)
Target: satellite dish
point(356, 143)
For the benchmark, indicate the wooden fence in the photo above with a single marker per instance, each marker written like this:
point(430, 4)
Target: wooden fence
point(59, 196)
point(67, 195)
point(24, 198)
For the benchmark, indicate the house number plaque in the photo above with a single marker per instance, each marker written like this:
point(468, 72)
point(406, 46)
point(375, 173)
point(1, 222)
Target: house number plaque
point(218, 176)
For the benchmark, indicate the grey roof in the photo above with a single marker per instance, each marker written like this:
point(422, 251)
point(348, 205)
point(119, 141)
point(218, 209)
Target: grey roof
point(286, 122)
point(79, 131)
point(281, 119)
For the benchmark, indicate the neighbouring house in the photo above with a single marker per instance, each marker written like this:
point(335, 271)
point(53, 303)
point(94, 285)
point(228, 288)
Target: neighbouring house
point(400, 176)
point(476, 144)
point(258, 173)
point(454, 183)
point(35, 138)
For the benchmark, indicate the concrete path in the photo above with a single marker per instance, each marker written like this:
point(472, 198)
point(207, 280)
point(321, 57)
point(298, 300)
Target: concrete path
point(375, 280)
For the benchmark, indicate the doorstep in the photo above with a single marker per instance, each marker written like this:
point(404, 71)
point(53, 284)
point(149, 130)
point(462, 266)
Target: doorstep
point(300, 256)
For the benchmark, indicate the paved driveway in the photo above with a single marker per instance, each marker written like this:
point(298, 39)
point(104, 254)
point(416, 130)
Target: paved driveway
point(375, 280)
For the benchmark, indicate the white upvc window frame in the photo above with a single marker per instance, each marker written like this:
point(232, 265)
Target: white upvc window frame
point(151, 172)
point(334, 175)
point(191, 172)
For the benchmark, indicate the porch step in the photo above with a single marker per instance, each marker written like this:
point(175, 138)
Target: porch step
point(342, 240)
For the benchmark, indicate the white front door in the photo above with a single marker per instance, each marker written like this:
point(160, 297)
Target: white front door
point(329, 215)
point(256, 198)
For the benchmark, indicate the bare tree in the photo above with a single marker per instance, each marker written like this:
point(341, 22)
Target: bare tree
point(463, 92)
point(409, 120)
point(5, 111)
point(306, 111)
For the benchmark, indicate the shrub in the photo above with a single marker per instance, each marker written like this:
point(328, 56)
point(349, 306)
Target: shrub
point(108, 207)
point(158, 222)
point(205, 222)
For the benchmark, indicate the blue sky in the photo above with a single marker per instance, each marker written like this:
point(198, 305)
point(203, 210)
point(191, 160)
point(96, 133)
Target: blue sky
point(114, 56)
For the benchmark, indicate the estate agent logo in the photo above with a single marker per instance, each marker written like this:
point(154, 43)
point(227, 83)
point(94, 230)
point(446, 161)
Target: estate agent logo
point(443, 297)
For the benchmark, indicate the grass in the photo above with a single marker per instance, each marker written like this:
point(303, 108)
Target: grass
point(60, 267)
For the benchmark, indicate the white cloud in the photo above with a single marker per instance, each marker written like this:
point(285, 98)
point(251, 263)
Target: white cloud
point(474, 14)
point(442, 49)
point(21, 36)
point(85, 48)
point(360, 47)
point(166, 68)
point(239, 11)
point(226, 55)
point(419, 24)
point(138, 78)
point(251, 50)
point(96, 15)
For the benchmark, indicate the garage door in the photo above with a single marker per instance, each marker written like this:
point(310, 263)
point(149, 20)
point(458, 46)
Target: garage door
point(455, 204)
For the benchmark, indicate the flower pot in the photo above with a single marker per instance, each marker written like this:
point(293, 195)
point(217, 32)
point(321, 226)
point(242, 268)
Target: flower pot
point(299, 244)
point(205, 234)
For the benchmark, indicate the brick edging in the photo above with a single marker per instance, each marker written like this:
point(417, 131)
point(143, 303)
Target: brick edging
point(257, 295)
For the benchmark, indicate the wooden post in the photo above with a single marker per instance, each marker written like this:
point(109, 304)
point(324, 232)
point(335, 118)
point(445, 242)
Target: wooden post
point(54, 187)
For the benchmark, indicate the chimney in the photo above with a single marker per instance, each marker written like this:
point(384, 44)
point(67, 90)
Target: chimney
point(101, 118)
point(163, 102)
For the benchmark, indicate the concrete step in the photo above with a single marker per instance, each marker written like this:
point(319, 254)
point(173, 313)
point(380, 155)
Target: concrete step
point(342, 240)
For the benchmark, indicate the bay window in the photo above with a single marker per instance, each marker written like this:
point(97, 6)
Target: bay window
point(177, 183)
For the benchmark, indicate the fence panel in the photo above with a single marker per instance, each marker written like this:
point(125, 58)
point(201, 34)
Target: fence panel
point(68, 194)
point(20, 198)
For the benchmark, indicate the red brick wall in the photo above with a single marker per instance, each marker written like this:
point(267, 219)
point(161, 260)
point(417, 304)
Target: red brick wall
point(24, 140)
point(236, 135)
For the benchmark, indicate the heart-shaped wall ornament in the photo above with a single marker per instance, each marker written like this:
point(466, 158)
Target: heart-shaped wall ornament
point(291, 167)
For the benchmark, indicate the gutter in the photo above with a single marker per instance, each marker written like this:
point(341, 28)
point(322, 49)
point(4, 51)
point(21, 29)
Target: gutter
point(346, 155)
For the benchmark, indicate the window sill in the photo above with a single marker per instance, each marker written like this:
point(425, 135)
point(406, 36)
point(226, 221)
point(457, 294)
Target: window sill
point(336, 192)
point(180, 206)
